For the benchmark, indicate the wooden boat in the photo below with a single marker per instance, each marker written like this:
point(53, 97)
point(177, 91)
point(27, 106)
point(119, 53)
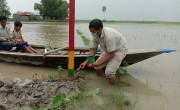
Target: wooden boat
point(59, 56)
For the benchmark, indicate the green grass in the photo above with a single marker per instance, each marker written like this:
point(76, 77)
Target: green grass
point(61, 75)
point(79, 32)
point(84, 38)
point(106, 21)
point(57, 76)
point(79, 97)
point(123, 83)
point(126, 21)
point(59, 103)
point(122, 70)
point(117, 102)
point(121, 102)
point(85, 98)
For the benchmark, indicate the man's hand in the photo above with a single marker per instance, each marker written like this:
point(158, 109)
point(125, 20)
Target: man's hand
point(82, 65)
point(25, 42)
point(14, 43)
point(1, 40)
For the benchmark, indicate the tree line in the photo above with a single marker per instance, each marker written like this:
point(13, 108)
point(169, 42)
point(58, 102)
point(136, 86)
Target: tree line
point(49, 9)
point(53, 9)
point(4, 9)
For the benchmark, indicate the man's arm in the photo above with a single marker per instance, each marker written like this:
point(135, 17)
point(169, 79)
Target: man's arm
point(8, 32)
point(11, 35)
point(3, 40)
point(111, 46)
point(12, 40)
point(23, 41)
point(109, 56)
point(2, 37)
point(92, 53)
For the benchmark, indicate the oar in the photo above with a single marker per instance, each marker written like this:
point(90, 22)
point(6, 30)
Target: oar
point(51, 51)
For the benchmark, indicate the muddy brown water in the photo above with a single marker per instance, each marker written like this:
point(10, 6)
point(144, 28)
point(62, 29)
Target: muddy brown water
point(153, 84)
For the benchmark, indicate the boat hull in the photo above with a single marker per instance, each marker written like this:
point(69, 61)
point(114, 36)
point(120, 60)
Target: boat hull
point(62, 60)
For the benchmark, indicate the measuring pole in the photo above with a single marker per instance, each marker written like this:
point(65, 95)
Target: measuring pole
point(71, 38)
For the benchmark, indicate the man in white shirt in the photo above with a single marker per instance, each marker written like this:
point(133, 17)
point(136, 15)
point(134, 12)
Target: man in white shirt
point(114, 48)
point(5, 42)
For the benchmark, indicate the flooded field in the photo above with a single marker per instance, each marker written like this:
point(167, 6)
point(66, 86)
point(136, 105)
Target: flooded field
point(153, 84)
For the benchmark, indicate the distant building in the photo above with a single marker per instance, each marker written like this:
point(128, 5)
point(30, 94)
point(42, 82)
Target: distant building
point(26, 16)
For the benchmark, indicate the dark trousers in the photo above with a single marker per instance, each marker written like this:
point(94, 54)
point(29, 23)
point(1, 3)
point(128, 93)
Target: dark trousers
point(6, 45)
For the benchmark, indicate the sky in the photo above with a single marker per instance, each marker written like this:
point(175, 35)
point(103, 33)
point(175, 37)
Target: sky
point(141, 10)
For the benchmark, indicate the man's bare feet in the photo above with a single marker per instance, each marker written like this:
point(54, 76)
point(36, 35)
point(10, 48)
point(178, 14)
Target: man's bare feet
point(112, 79)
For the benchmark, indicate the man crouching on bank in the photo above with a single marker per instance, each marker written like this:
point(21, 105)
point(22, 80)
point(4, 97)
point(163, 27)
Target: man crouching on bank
point(114, 48)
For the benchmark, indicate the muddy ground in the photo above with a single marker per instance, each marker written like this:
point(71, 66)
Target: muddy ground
point(23, 94)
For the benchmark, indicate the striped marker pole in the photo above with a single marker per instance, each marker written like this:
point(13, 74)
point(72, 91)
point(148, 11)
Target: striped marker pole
point(71, 38)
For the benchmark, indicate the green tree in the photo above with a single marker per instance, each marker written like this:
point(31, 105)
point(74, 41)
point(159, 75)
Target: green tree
point(62, 11)
point(53, 9)
point(4, 9)
point(32, 17)
point(104, 11)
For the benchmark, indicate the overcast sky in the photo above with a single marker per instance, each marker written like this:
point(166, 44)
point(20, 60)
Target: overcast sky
point(147, 10)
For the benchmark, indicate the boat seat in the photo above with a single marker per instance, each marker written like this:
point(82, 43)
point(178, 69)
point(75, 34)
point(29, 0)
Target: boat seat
point(64, 53)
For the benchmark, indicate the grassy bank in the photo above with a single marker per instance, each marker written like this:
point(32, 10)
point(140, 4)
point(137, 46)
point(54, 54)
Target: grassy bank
point(87, 98)
point(139, 22)
point(106, 21)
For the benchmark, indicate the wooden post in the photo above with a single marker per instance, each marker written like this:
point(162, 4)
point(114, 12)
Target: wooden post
point(71, 38)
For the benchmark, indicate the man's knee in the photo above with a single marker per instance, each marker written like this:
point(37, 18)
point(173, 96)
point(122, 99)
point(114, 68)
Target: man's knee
point(99, 67)
point(7, 46)
point(96, 68)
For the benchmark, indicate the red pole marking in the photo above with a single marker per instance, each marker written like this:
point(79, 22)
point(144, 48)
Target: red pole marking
point(71, 24)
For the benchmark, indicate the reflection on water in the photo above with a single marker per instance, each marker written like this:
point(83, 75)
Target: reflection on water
point(154, 81)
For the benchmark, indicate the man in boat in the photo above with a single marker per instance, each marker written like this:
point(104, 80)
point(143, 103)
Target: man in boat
point(5, 40)
point(21, 43)
point(114, 48)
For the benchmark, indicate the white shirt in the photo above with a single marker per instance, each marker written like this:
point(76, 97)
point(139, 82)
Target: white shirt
point(110, 40)
point(4, 33)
